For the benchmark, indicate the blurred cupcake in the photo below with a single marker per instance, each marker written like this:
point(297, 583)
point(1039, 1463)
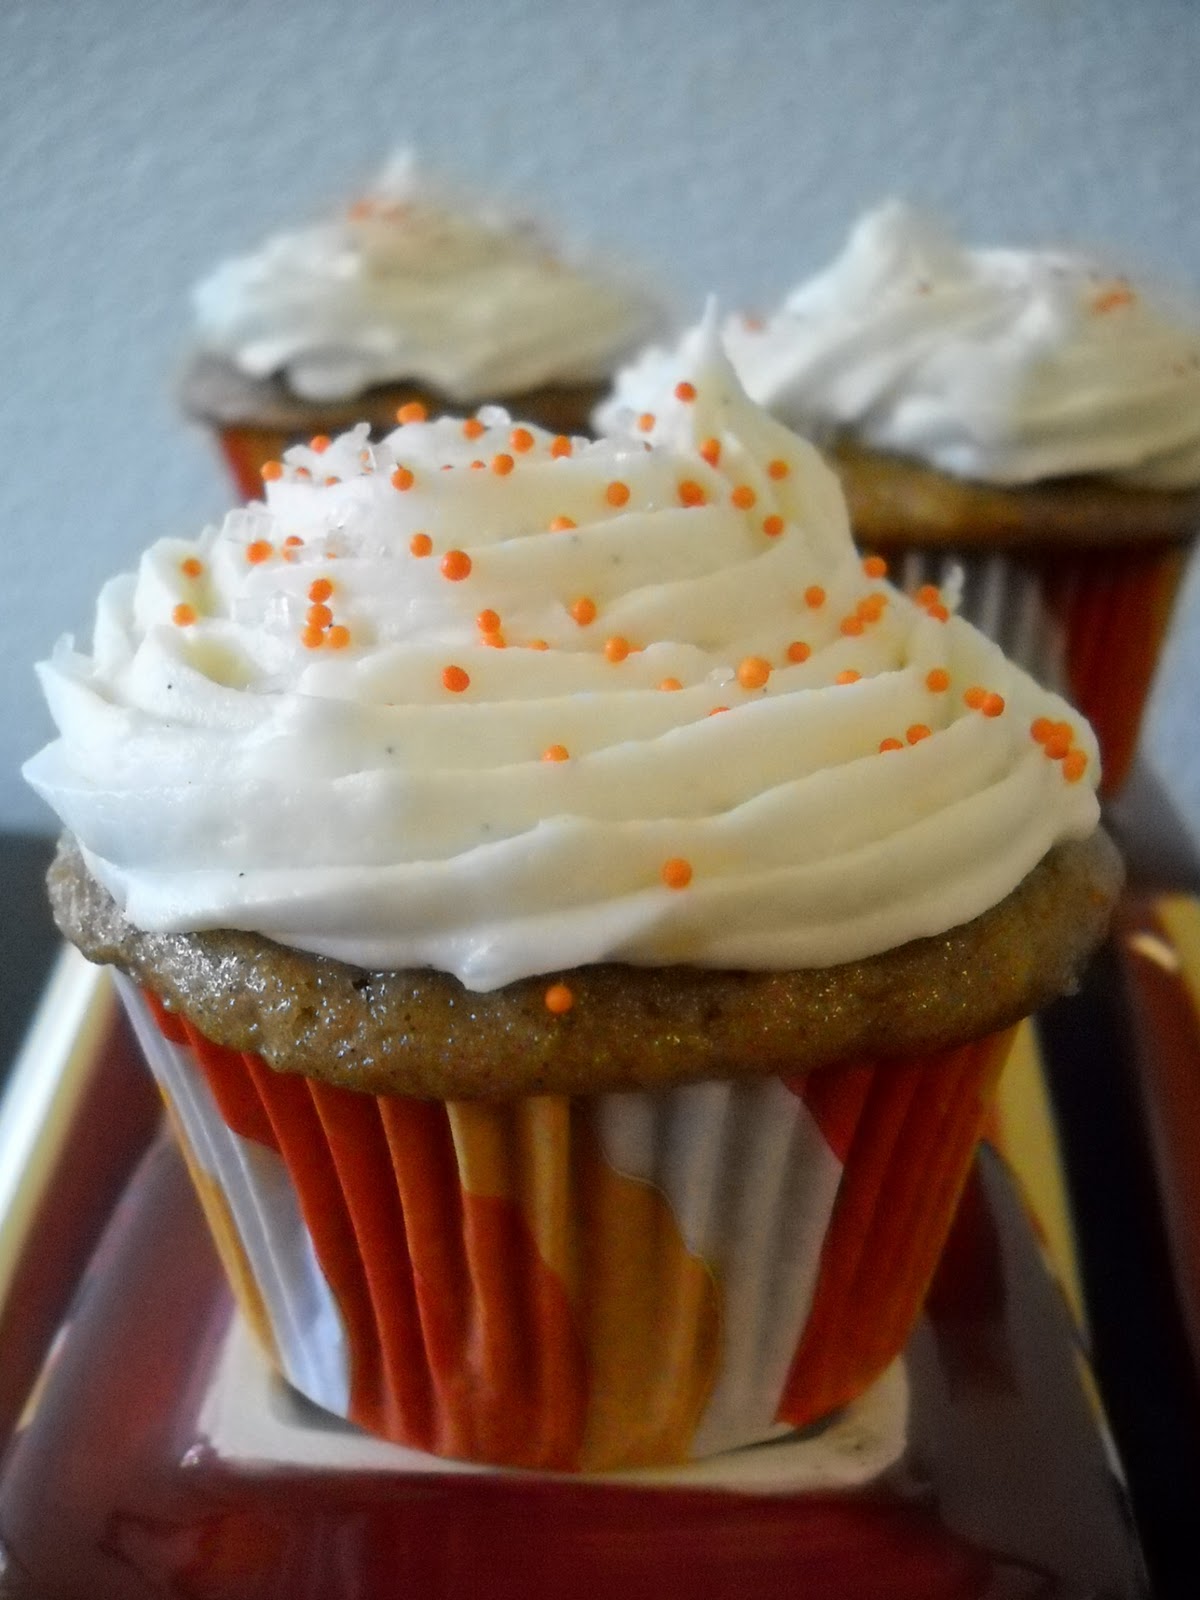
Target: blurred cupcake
point(575, 910)
point(1025, 417)
point(416, 296)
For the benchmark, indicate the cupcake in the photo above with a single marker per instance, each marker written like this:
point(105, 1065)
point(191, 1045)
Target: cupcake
point(414, 297)
point(576, 911)
point(1026, 418)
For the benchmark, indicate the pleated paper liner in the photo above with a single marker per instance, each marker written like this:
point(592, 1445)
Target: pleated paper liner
point(584, 1283)
point(1088, 624)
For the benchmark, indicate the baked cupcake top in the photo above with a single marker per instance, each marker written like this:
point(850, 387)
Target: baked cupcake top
point(1003, 366)
point(495, 703)
point(415, 282)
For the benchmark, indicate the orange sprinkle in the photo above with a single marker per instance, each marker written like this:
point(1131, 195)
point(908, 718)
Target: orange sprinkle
point(937, 679)
point(1041, 728)
point(320, 589)
point(1111, 299)
point(337, 638)
point(992, 705)
point(773, 526)
point(670, 684)
point(329, 481)
point(875, 567)
point(502, 464)
point(562, 524)
point(691, 493)
point(472, 428)
point(556, 752)
point(413, 411)
point(583, 610)
point(261, 550)
point(183, 615)
point(402, 478)
point(798, 650)
point(454, 679)
point(292, 542)
point(975, 696)
point(676, 873)
point(685, 391)
point(889, 744)
point(494, 639)
point(521, 440)
point(537, 644)
point(303, 472)
point(1074, 766)
point(456, 565)
point(711, 451)
point(616, 648)
point(848, 676)
point(319, 443)
point(318, 616)
point(1058, 745)
point(939, 613)
point(870, 607)
point(852, 626)
point(559, 999)
point(312, 638)
point(192, 567)
point(753, 672)
point(271, 470)
point(617, 493)
point(777, 468)
point(743, 497)
point(917, 732)
point(716, 710)
point(814, 596)
point(561, 446)
point(420, 544)
point(478, 466)
point(928, 594)
point(646, 421)
point(488, 621)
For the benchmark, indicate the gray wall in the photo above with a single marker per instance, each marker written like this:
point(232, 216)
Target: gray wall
point(723, 145)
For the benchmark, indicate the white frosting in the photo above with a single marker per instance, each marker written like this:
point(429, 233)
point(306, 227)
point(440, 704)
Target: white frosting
point(412, 285)
point(1006, 366)
point(221, 773)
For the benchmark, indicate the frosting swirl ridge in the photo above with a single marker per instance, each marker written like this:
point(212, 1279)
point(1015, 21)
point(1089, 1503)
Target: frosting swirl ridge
point(485, 700)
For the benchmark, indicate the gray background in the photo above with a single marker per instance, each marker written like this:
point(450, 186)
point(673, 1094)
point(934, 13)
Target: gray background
point(718, 145)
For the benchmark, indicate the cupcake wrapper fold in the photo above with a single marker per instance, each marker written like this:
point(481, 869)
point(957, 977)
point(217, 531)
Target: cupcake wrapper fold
point(246, 452)
point(583, 1283)
point(1090, 626)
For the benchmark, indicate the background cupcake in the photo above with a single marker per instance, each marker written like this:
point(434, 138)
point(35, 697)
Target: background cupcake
point(1028, 418)
point(575, 909)
point(416, 295)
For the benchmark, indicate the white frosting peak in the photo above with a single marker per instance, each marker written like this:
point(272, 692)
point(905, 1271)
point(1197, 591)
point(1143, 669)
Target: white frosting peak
point(1005, 366)
point(416, 283)
point(461, 705)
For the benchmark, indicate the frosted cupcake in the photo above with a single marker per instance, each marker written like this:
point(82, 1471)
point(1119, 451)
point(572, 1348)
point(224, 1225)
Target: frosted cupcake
point(1026, 416)
point(415, 296)
point(575, 910)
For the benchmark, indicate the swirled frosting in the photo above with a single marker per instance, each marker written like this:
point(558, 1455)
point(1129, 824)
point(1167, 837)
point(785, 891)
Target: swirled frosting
point(411, 284)
point(1005, 366)
point(484, 700)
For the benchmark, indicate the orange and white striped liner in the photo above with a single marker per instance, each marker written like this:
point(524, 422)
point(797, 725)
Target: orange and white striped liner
point(587, 1283)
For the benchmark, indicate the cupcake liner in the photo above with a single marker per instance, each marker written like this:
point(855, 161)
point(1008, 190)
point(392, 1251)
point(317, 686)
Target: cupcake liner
point(1090, 626)
point(580, 1284)
point(247, 450)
